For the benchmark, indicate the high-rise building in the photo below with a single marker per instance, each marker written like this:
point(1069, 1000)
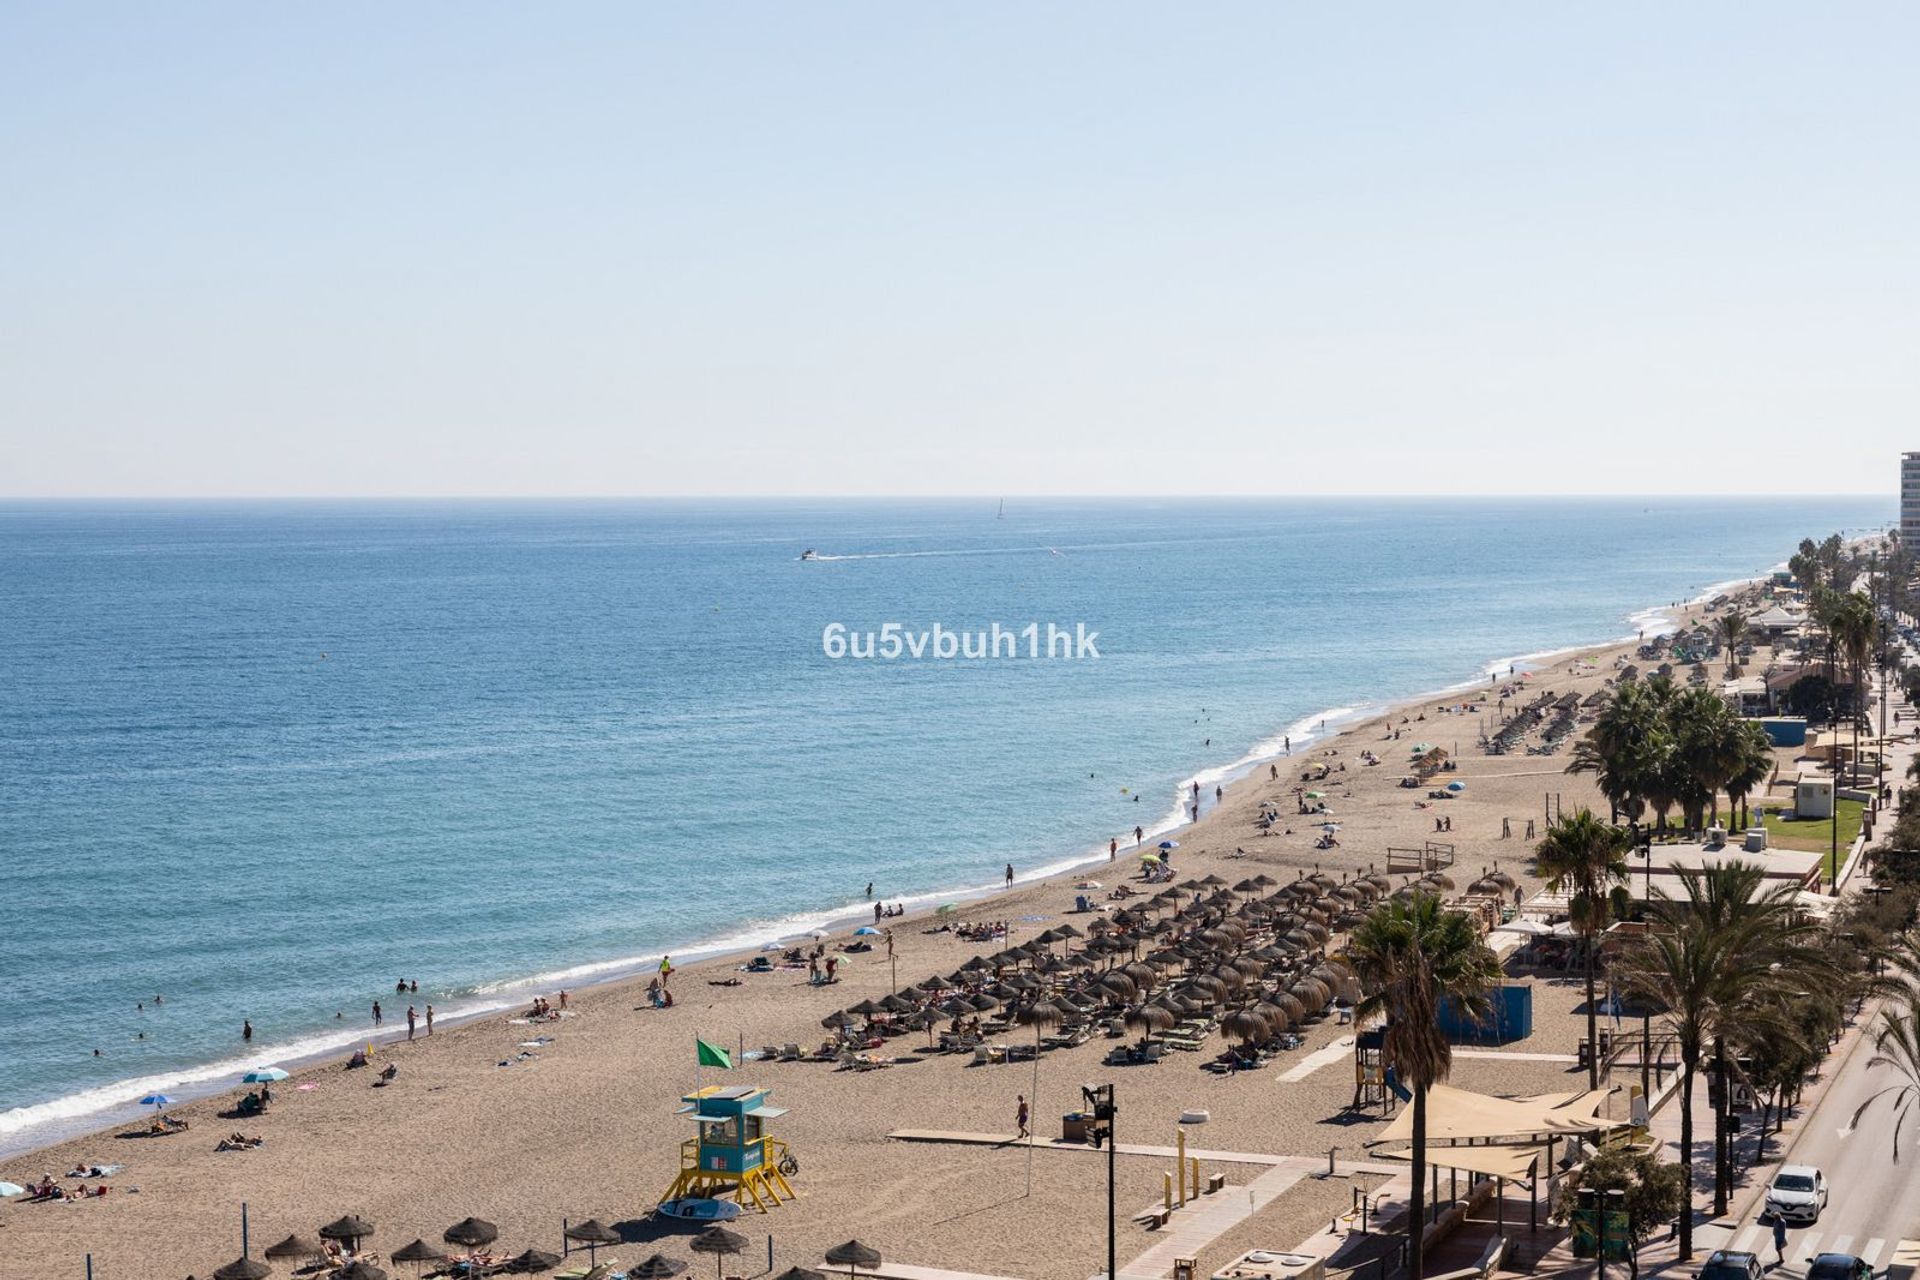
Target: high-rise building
point(1910, 499)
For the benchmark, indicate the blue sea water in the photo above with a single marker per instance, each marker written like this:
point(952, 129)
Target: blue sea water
point(266, 758)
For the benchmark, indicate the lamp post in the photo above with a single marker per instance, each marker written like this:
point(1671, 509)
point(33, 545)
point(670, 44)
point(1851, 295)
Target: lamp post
point(1099, 1099)
point(1833, 768)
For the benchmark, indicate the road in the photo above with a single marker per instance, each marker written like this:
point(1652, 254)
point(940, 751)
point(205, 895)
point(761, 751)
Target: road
point(1874, 1206)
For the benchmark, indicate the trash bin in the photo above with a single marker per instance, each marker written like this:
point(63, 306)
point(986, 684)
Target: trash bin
point(1073, 1126)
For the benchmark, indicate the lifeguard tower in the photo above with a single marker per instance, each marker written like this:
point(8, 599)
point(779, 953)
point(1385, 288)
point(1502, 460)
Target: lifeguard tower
point(732, 1154)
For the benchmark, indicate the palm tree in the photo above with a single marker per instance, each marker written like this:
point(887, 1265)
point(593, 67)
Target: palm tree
point(1896, 1044)
point(1705, 747)
point(1752, 767)
point(1587, 860)
point(1733, 629)
point(1621, 748)
point(1411, 954)
point(1852, 623)
point(1719, 959)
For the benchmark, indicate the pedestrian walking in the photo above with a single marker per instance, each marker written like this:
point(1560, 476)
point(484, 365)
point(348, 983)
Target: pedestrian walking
point(376, 1013)
point(412, 1019)
point(429, 1019)
point(1020, 1115)
point(1009, 873)
point(1779, 1240)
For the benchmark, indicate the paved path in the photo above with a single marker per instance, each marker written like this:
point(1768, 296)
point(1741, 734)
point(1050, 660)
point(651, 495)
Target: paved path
point(1205, 1154)
point(1205, 1220)
point(901, 1271)
point(1339, 1049)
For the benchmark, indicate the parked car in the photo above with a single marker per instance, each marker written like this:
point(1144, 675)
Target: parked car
point(1730, 1264)
point(1798, 1193)
point(1839, 1266)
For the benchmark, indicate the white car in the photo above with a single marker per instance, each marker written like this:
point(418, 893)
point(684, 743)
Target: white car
point(1797, 1193)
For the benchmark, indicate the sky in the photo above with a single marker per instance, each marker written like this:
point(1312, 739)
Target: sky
point(1000, 249)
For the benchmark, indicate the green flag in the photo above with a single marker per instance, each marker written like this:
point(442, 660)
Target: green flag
point(714, 1056)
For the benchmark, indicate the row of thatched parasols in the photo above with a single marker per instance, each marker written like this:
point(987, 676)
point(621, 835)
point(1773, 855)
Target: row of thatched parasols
point(1206, 946)
point(468, 1234)
point(474, 1233)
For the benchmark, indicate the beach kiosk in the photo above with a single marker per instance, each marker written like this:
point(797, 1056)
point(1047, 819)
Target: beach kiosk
point(731, 1154)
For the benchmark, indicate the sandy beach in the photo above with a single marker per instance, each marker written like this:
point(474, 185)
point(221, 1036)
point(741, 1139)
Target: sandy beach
point(479, 1121)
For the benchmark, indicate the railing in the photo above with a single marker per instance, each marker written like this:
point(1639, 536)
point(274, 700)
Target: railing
point(773, 1152)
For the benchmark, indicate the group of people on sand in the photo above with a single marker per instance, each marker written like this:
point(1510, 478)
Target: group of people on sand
point(821, 966)
point(237, 1141)
point(881, 911)
point(544, 1009)
point(48, 1190)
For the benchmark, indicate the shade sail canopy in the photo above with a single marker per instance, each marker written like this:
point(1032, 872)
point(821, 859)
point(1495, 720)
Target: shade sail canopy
point(1515, 1164)
point(1456, 1115)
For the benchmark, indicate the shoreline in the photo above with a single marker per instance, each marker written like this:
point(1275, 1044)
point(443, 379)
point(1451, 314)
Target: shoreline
point(221, 1077)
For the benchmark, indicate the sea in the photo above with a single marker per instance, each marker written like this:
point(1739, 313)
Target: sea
point(261, 760)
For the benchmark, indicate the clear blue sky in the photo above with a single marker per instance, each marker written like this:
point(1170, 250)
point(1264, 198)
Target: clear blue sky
point(637, 248)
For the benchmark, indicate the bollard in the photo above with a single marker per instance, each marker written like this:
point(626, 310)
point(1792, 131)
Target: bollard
point(1180, 1162)
point(1166, 1187)
point(1195, 1168)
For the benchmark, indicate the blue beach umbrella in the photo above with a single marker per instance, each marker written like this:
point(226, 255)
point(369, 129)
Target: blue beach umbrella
point(1456, 786)
point(156, 1100)
point(263, 1075)
point(1169, 844)
point(867, 930)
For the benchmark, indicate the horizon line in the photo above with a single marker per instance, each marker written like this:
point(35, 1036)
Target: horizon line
point(1889, 494)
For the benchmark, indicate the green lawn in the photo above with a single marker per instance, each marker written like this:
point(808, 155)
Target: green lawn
point(1812, 835)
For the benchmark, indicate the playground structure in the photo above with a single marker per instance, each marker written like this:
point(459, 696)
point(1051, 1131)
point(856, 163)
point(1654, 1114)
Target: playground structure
point(1374, 1084)
point(732, 1155)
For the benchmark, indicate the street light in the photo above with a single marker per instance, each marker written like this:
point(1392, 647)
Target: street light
point(1098, 1099)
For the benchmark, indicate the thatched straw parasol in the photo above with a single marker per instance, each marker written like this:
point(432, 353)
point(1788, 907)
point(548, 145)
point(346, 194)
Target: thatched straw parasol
point(295, 1247)
point(853, 1254)
point(419, 1253)
point(1245, 1025)
point(719, 1242)
point(349, 1228)
point(471, 1232)
point(243, 1269)
point(1147, 1019)
point(592, 1233)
